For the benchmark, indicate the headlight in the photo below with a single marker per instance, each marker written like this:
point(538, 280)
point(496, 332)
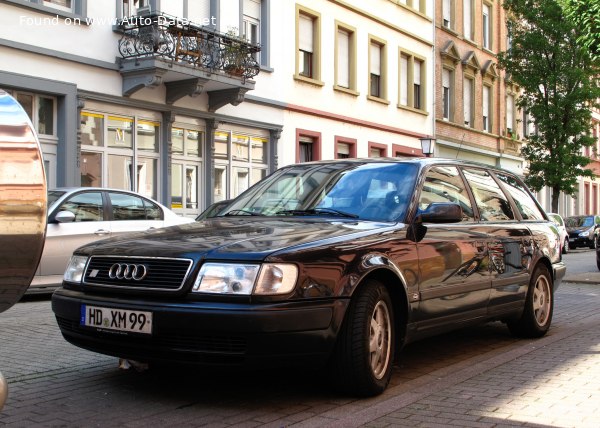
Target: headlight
point(241, 279)
point(75, 269)
point(584, 234)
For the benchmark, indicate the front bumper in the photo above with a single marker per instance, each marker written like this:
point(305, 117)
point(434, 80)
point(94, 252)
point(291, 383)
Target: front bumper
point(209, 333)
point(575, 242)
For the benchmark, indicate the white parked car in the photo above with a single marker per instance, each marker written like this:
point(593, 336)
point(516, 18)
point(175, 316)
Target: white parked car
point(562, 231)
point(80, 215)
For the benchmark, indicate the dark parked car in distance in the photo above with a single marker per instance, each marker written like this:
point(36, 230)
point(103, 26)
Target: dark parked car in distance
point(332, 264)
point(583, 230)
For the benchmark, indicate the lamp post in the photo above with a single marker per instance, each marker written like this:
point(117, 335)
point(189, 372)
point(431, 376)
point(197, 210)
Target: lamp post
point(427, 145)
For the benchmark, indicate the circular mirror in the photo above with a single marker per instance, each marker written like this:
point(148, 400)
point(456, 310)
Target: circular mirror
point(23, 200)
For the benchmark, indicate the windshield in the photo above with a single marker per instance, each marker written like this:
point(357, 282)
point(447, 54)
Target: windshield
point(579, 221)
point(53, 196)
point(369, 191)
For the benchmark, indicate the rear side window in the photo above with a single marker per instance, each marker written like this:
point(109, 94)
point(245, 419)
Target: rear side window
point(127, 207)
point(86, 206)
point(444, 184)
point(153, 211)
point(492, 203)
point(523, 200)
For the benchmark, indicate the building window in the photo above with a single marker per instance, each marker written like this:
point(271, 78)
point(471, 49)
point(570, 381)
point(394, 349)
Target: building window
point(447, 90)
point(128, 158)
point(308, 146)
point(377, 150)
point(66, 5)
point(251, 24)
point(345, 148)
point(419, 5)
point(377, 69)
point(41, 111)
point(486, 108)
point(345, 58)
point(448, 14)
point(468, 101)
point(510, 118)
point(308, 32)
point(486, 24)
point(132, 7)
point(467, 19)
point(411, 85)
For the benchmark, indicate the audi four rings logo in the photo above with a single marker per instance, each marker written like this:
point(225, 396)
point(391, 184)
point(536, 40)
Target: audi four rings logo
point(127, 271)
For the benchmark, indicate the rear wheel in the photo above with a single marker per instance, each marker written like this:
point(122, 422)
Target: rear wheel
point(539, 306)
point(364, 353)
point(566, 247)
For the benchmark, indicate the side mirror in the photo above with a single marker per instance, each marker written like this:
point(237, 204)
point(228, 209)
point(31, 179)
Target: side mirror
point(441, 212)
point(64, 217)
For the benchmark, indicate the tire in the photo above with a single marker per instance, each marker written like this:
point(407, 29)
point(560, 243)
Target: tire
point(593, 243)
point(363, 357)
point(566, 247)
point(539, 306)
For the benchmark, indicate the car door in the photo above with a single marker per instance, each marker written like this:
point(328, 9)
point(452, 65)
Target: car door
point(510, 242)
point(453, 261)
point(62, 239)
point(132, 213)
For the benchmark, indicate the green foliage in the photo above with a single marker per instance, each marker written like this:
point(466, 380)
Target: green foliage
point(585, 15)
point(558, 79)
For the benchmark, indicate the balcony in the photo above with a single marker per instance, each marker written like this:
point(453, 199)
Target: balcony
point(187, 58)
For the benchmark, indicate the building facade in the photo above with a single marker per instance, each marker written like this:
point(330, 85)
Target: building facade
point(476, 117)
point(191, 102)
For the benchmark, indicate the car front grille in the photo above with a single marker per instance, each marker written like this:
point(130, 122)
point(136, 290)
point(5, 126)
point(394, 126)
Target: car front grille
point(137, 273)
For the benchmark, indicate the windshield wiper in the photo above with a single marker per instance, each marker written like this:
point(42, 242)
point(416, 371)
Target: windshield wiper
point(318, 211)
point(242, 211)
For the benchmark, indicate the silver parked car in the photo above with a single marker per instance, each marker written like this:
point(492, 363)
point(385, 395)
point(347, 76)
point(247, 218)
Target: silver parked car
point(562, 231)
point(80, 215)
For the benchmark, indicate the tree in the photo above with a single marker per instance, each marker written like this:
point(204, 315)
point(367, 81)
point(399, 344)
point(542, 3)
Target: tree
point(585, 14)
point(559, 88)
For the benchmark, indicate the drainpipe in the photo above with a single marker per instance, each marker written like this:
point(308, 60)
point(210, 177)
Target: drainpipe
point(3, 391)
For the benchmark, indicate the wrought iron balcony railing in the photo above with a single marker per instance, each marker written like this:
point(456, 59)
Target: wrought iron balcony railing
point(162, 36)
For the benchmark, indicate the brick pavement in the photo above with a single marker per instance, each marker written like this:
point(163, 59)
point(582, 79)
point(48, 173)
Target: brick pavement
point(479, 377)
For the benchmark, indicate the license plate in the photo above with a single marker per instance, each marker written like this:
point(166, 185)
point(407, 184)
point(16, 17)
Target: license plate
point(116, 319)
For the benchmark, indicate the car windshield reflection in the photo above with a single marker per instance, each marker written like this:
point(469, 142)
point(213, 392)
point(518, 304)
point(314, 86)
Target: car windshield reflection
point(375, 192)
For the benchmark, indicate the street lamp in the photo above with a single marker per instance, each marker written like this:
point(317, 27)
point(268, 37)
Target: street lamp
point(427, 145)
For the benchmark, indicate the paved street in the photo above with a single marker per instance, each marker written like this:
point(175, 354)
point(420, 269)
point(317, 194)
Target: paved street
point(480, 377)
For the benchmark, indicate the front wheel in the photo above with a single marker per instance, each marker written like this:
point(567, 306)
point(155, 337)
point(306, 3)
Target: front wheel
point(363, 357)
point(539, 306)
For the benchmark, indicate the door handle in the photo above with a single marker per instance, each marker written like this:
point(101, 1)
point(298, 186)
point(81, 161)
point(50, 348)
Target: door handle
point(101, 232)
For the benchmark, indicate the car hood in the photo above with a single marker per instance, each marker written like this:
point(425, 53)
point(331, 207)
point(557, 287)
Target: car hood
point(234, 239)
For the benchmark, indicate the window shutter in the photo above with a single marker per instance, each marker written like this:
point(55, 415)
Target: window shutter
point(343, 148)
point(467, 101)
point(305, 34)
point(417, 72)
point(403, 80)
point(446, 78)
point(375, 59)
point(486, 101)
point(467, 19)
point(446, 11)
point(252, 9)
point(343, 60)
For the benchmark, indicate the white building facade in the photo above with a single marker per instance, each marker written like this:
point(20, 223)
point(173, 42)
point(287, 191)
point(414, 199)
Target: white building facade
point(162, 104)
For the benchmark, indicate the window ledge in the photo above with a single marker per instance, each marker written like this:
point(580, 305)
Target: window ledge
point(414, 110)
point(310, 80)
point(346, 90)
point(450, 30)
point(266, 69)
point(378, 100)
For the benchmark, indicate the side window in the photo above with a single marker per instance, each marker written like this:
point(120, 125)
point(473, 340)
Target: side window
point(523, 200)
point(153, 211)
point(127, 207)
point(85, 206)
point(444, 184)
point(492, 203)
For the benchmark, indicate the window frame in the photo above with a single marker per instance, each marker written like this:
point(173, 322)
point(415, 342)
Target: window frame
point(382, 44)
point(352, 59)
point(315, 74)
point(351, 142)
point(78, 9)
point(378, 146)
point(487, 36)
point(471, 119)
point(410, 82)
point(451, 92)
point(316, 144)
